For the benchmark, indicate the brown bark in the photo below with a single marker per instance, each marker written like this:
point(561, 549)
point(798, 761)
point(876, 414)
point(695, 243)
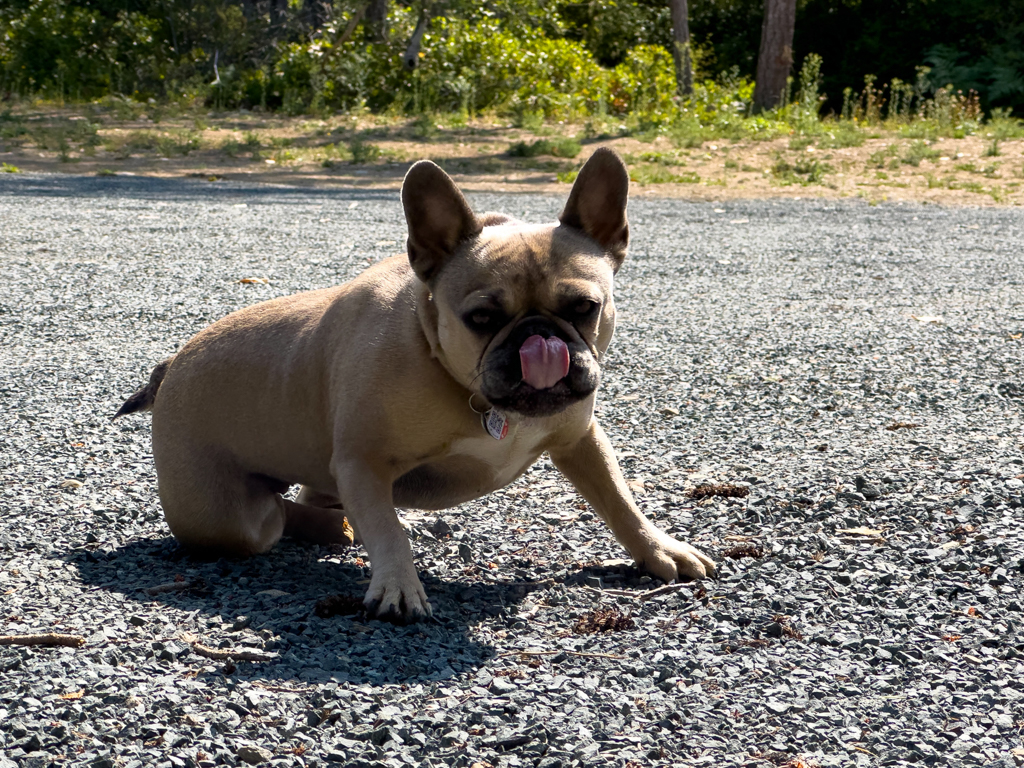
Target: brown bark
point(681, 47)
point(776, 55)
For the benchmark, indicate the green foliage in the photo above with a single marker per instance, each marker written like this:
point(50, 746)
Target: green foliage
point(1001, 126)
point(645, 83)
point(840, 133)
point(8, 168)
point(529, 61)
point(802, 114)
point(659, 174)
point(610, 29)
point(77, 49)
point(471, 69)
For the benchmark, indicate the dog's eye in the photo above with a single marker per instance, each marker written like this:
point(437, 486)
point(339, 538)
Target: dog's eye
point(482, 320)
point(584, 308)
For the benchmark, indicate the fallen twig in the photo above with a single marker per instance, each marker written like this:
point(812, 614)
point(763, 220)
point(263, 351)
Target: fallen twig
point(641, 596)
point(663, 590)
point(171, 586)
point(567, 653)
point(618, 593)
point(230, 655)
point(48, 639)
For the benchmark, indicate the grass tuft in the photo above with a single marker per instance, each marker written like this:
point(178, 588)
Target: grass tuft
point(918, 151)
point(803, 172)
point(646, 173)
point(363, 151)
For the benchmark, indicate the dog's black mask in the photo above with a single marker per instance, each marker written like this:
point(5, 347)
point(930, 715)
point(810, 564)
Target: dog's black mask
point(502, 381)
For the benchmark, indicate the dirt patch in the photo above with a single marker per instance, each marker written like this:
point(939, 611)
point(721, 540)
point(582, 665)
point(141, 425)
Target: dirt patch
point(370, 152)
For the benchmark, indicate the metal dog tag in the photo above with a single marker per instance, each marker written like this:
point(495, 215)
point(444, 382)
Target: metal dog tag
point(496, 423)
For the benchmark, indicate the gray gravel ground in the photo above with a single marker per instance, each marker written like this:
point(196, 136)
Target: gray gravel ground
point(762, 343)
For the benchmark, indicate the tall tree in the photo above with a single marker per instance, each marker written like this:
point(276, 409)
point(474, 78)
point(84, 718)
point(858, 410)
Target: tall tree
point(681, 46)
point(776, 54)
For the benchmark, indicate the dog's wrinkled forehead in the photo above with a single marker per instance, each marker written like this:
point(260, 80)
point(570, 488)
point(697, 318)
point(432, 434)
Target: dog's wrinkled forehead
point(531, 263)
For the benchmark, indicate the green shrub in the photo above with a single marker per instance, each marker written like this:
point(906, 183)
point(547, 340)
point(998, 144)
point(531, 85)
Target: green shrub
point(559, 147)
point(840, 133)
point(801, 172)
point(363, 152)
point(645, 83)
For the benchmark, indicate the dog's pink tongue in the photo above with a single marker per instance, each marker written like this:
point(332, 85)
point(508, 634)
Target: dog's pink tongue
point(545, 361)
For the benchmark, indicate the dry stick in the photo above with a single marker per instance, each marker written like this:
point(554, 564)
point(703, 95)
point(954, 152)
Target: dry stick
point(663, 590)
point(614, 592)
point(596, 655)
point(568, 653)
point(214, 653)
point(641, 596)
point(49, 639)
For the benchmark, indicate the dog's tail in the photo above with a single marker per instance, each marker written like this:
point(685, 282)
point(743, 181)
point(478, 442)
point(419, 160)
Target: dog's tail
point(143, 399)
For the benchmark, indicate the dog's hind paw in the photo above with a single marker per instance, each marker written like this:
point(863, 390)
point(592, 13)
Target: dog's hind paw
point(398, 600)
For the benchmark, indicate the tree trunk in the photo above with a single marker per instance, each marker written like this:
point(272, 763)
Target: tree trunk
point(681, 47)
point(776, 55)
point(411, 59)
point(376, 24)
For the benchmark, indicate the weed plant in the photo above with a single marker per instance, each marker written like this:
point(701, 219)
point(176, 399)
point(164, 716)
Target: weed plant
point(803, 172)
point(363, 152)
point(646, 173)
point(918, 151)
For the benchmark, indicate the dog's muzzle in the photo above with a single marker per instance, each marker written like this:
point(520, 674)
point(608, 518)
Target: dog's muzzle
point(537, 371)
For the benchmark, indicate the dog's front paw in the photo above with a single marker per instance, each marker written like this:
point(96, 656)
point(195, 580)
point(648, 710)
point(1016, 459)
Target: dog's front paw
point(669, 559)
point(396, 596)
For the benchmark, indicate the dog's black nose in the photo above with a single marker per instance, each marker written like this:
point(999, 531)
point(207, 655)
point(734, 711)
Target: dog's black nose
point(534, 325)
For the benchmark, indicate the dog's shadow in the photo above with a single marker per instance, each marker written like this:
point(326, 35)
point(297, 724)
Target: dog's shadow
point(270, 603)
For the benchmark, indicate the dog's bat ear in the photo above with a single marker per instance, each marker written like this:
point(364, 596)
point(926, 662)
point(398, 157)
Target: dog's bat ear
point(597, 203)
point(438, 216)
